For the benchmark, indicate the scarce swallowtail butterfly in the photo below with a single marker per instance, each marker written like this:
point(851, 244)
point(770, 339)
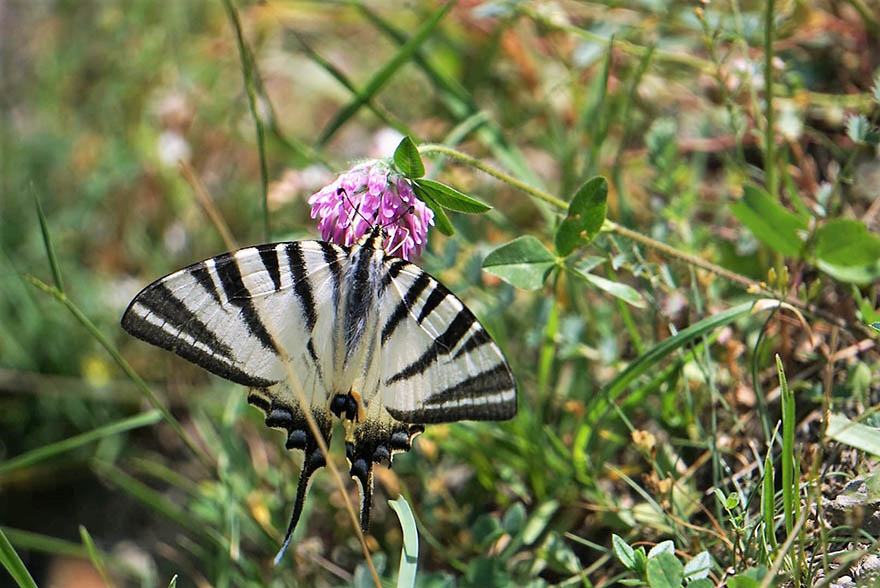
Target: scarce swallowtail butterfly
point(370, 338)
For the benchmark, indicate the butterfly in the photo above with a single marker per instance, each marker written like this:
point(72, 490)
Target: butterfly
point(368, 338)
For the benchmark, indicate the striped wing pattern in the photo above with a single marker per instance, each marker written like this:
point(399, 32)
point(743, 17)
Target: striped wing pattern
point(369, 338)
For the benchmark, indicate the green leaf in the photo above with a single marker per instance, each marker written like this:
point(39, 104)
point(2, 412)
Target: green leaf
point(409, 553)
point(857, 435)
point(623, 551)
point(751, 578)
point(641, 560)
point(441, 221)
point(701, 583)
point(662, 547)
point(487, 571)
point(586, 213)
point(450, 198)
point(664, 571)
point(408, 160)
point(742, 581)
point(858, 127)
point(769, 221)
point(559, 556)
point(13, 564)
point(538, 521)
point(485, 530)
point(524, 263)
point(731, 501)
point(846, 242)
point(698, 567)
point(514, 519)
point(847, 251)
point(626, 293)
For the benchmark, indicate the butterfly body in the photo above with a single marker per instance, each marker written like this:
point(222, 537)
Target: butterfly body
point(361, 335)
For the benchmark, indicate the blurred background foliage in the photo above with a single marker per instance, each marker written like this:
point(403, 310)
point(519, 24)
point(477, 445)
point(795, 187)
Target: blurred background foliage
point(101, 101)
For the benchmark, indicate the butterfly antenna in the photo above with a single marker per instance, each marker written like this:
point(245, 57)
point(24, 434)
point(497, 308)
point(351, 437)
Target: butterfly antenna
point(313, 460)
point(355, 209)
point(409, 210)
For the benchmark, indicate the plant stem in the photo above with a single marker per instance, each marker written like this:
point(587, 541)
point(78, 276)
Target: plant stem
point(769, 139)
point(609, 226)
point(495, 173)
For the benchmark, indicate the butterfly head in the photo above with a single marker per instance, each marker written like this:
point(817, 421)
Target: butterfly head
point(376, 238)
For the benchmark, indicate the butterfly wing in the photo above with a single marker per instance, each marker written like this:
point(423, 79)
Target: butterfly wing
point(242, 316)
point(439, 363)
point(432, 362)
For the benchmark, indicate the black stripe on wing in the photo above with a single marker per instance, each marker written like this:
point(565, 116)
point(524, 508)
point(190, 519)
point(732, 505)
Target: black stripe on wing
point(496, 379)
point(237, 294)
point(200, 272)
point(437, 296)
point(217, 357)
point(442, 345)
point(296, 262)
point(487, 396)
point(269, 257)
point(402, 308)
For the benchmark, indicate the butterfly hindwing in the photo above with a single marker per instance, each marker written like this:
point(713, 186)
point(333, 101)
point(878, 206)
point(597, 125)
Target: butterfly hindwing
point(439, 363)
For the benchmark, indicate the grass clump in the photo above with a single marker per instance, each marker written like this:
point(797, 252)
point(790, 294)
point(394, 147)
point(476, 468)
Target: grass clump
point(680, 262)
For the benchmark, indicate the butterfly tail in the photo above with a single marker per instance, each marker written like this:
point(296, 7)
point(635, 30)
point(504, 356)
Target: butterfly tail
point(314, 460)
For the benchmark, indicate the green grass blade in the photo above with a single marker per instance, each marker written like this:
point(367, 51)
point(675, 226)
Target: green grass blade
point(120, 361)
point(461, 104)
point(789, 488)
point(647, 360)
point(684, 337)
point(409, 553)
point(47, 243)
point(247, 71)
point(154, 500)
point(598, 116)
point(340, 77)
point(45, 543)
point(47, 451)
point(768, 493)
point(384, 74)
point(95, 555)
point(13, 564)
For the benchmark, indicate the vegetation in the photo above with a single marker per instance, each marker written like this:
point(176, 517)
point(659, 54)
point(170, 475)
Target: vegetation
point(680, 263)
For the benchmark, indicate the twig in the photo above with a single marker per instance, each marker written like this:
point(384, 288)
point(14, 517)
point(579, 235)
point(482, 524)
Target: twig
point(207, 204)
